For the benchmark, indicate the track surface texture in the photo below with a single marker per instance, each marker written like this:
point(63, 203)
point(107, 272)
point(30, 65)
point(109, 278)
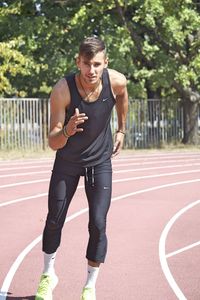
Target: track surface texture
point(153, 229)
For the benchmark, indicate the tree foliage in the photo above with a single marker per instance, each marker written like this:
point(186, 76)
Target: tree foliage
point(155, 43)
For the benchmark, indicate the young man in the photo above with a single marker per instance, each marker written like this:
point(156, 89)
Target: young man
point(81, 106)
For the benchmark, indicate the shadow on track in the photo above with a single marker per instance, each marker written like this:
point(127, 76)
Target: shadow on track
point(20, 298)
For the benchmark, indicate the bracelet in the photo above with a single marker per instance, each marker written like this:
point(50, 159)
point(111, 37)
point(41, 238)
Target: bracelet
point(64, 131)
point(120, 131)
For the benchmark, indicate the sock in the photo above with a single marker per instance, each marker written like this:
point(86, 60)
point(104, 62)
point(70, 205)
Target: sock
point(92, 276)
point(49, 260)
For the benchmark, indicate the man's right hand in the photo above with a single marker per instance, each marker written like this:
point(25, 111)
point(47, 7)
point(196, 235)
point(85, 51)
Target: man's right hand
point(77, 119)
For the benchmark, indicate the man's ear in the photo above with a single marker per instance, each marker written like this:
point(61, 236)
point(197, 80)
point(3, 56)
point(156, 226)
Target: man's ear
point(106, 62)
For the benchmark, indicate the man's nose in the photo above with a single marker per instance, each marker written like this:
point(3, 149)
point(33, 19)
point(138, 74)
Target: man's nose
point(92, 69)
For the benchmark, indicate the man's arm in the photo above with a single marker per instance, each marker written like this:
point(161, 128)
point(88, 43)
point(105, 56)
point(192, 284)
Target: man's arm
point(119, 86)
point(59, 102)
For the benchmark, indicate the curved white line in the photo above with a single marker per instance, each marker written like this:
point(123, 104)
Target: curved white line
point(24, 174)
point(150, 162)
point(23, 199)
point(116, 180)
point(162, 254)
point(24, 168)
point(154, 168)
point(156, 175)
point(15, 266)
point(115, 172)
point(18, 261)
point(29, 197)
point(23, 183)
point(22, 255)
point(115, 163)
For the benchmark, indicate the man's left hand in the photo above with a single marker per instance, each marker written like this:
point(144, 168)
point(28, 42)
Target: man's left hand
point(119, 139)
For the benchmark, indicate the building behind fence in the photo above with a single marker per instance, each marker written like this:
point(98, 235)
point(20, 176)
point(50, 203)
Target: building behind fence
point(24, 123)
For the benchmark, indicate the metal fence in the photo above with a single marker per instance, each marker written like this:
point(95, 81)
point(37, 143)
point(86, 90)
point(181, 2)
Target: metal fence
point(24, 123)
point(153, 123)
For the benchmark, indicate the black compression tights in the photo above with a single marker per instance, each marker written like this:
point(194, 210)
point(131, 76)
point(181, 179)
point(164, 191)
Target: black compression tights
point(98, 188)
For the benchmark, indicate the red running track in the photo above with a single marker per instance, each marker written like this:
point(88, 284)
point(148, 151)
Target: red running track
point(153, 230)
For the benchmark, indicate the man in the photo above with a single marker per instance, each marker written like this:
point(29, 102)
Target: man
point(81, 106)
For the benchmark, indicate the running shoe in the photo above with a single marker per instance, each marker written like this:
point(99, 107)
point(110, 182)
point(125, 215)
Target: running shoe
point(46, 286)
point(88, 294)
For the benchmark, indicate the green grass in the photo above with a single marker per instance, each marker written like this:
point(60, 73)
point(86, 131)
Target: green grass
point(48, 153)
point(21, 154)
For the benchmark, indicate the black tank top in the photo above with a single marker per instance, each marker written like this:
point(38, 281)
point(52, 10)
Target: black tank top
point(94, 145)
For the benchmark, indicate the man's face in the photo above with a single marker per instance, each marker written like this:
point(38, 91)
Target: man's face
point(92, 69)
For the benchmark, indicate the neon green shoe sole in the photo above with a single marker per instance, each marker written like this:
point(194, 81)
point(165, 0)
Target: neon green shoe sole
point(46, 286)
point(88, 294)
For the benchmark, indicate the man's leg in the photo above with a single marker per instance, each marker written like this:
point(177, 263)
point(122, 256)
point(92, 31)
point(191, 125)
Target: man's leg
point(98, 191)
point(61, 190)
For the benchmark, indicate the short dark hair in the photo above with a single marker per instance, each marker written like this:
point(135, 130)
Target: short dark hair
point(90, 46)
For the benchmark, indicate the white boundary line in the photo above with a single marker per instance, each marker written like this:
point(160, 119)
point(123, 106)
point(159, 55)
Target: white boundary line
point(114, 171)
point(29, 197)
point(162, 254)
point(153, 162)
point(28, 167)
point(120, 157)
point(182, 249)
point(11, 273)
point(22, 199)
point(154, 168)
point(119, 162)
point(116, 180)
point(24, 174)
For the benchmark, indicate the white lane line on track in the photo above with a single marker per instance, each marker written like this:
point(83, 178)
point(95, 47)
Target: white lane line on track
point(156, 176)
point(122, 157)
point(23, 183)
point(162, 247)
point(24, 168)
point(22, 199)
point(183, 249)
point(25, 162)
point(24, 174)
point(116, 163)
point(115, 172)
point(154, 168)
point(29, 198)
point(11, 273)
point(159, 155)
point(116, 180)
point(153, 162)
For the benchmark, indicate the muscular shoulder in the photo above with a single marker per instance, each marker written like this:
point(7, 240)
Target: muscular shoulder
point(60, 93)
point(118, 81)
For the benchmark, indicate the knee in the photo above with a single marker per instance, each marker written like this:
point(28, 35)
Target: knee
point(97, 225)
point(52, 225)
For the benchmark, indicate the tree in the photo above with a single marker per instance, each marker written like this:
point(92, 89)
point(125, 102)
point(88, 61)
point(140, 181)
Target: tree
point(155, 43)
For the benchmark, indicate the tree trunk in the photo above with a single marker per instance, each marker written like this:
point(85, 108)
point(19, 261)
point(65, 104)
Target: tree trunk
point(154, 111)
point(190, 115)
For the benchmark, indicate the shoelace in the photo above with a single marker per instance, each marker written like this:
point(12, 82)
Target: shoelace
point(44, 285)
point(89, 292)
